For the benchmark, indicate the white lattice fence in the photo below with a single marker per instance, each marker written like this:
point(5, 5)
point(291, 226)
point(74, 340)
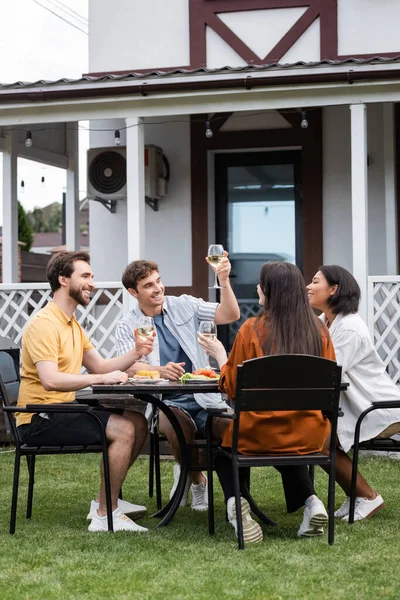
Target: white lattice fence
point(19, 302)
point(384, 320)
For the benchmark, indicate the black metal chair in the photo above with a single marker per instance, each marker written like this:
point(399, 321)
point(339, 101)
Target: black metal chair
point(9, 389)
point(376, 444)
point(280, 383)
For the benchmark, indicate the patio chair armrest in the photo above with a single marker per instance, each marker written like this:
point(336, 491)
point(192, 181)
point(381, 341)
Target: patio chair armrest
point(387, 404)
point(220, 412)
point(54, 408)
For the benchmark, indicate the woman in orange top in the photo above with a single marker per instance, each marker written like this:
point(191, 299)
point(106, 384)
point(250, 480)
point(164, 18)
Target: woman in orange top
point(285, 325)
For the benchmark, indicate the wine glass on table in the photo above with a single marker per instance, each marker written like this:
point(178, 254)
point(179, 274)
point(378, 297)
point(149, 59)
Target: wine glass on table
point(145, 328)
point(209, 330)
point(215, 255)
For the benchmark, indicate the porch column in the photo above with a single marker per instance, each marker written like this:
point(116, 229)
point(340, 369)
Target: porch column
point(390, 188)
point(135, 215)
point(359, 200)
point(10, 210)
point(72, 217)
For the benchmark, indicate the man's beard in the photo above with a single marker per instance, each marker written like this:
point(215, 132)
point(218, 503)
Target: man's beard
point(77, 295)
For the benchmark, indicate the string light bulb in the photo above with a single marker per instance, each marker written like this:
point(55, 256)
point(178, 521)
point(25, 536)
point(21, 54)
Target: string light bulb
point(304, 122)
point(42, 181)
point(22, 186)
point(28, 139)
point(209, 131)
point(117, 137)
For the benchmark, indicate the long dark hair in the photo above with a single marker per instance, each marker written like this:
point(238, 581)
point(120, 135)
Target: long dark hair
point(289, 321)
point(347, 296)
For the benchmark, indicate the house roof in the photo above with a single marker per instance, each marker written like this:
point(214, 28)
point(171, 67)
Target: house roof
point(348, 70)
point(152, 74)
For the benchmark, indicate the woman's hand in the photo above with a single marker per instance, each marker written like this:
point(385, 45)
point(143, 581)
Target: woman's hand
point(214, 348)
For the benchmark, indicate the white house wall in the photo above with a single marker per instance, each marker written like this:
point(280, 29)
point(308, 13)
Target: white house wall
point(126, 35)
point(368, 26)
point(161, 33)
point(337, 236)
point(168, 238)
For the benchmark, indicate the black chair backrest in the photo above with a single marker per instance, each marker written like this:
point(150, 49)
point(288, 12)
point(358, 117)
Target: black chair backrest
point(9, 387)
point(8, 345)
point(288, 382)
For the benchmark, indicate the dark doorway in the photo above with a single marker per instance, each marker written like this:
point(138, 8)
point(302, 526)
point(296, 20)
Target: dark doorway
point(258, 219)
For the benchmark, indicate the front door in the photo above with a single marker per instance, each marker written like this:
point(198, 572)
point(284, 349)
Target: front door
point(258, 219)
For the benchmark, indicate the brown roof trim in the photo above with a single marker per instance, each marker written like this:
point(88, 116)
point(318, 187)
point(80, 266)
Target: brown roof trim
point(182, 85)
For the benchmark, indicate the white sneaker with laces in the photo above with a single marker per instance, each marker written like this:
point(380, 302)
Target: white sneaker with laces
point(252, 531)
point(199, 496)
point(343, 510)
point(315, 517)
point(364, 508)
point(177, 472)
point(133, 510)
point(120, 523)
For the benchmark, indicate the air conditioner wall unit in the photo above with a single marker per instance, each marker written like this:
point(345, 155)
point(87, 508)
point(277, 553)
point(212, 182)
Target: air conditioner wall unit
point(106, 173)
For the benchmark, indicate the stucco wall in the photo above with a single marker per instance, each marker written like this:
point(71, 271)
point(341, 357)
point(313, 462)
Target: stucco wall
point(168, 231)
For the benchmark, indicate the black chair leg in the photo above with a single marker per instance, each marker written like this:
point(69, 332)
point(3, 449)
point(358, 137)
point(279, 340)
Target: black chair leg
point(14, 501)
point(31, 469)
point(238, 505)
point(157, 471)
point(106, 472)
point(210, 480)
point(353, 485)
point(311, 470)
point(331, 506)
point(151, 464)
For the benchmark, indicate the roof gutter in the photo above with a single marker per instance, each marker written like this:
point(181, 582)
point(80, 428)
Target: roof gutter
point(146, 88)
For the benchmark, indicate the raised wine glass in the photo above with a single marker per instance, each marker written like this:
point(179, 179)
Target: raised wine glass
point(209, 330)
point(145, 328)
point(215, 255)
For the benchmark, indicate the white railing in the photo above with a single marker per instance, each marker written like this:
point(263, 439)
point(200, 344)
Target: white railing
point(20, 301)
point(384, 320)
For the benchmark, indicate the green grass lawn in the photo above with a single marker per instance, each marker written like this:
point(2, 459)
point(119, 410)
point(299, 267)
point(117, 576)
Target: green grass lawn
point(54, 557)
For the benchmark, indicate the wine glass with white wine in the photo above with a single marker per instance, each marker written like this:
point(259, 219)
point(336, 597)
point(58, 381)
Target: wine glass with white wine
point(209, 330)
point(145, 328)
point(215, 255)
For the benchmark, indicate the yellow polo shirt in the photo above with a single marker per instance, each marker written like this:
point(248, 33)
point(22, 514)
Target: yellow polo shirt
point(52, 336)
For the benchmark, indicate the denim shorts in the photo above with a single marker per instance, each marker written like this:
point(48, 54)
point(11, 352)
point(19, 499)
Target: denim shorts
point(62, 429)
point(187, 404)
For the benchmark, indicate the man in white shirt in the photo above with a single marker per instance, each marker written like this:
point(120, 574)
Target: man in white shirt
point(176, 351)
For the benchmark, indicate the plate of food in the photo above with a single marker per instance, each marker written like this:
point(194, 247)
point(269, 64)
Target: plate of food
point(147, 376)
point(200, 376)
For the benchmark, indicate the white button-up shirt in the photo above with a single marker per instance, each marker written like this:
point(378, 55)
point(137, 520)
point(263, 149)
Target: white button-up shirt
point(364, 370)
point(182, 315)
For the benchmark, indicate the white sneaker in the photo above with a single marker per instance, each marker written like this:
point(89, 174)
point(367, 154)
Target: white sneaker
point(344, 509)
point(315, 516)
point(364, 508)
point(120, 523)
point(199, 496)
point(133, 510)
point(177, 472)
point(252, 531)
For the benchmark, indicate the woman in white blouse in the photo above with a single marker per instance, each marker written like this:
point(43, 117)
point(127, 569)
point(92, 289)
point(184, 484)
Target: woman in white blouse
point(334, 291)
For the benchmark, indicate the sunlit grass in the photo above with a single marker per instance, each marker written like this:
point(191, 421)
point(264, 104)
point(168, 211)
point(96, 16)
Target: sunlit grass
point(52, 556)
